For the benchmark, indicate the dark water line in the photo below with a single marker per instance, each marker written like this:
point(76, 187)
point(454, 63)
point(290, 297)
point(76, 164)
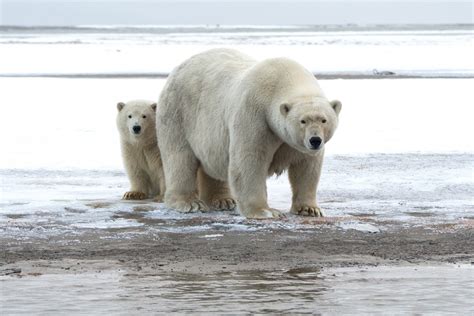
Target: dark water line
point(326, 76)
point(216, 28)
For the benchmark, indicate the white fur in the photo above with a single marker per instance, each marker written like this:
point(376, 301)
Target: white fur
point(140, 152)
point(240, 121)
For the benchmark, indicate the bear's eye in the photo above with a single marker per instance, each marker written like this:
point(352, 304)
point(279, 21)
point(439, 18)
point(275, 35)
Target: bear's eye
point(144, 116)
point(303, 122)
point(129, 116)
point(324, 121)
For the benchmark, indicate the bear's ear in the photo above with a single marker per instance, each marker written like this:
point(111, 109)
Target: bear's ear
point(153, 106)
point(120, 106)
point(285, 108)
point(336, 105)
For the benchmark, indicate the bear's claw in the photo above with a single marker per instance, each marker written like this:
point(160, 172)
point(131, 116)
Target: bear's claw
point(223, 204)
point(314, 211)
point(197, 206)
point(134, 195)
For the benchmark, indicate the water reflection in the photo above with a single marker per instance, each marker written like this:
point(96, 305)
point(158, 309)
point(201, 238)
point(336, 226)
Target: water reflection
point(229, 292)
point(304, 290)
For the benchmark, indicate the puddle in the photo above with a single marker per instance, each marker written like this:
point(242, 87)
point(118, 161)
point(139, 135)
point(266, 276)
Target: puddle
point(419, 214)
point(74, 210)
point(15, 216)
point(379, 290)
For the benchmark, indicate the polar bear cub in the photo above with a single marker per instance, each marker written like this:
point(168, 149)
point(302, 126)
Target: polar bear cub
point(136, 122)
point(240, 120)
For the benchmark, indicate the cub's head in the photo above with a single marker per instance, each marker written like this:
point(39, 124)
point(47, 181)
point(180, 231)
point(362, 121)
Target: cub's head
point(309, 125)
point(136, 120)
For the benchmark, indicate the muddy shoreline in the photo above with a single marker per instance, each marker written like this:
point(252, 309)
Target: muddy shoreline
point(212, 251)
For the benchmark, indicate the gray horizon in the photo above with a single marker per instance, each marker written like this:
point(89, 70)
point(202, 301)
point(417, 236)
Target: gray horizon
point(263, 12)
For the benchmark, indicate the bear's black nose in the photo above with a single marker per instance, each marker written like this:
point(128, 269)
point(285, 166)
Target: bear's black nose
point(315, 142)
point(137, 129)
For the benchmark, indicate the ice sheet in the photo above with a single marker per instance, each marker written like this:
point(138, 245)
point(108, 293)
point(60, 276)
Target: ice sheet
point(158, 51)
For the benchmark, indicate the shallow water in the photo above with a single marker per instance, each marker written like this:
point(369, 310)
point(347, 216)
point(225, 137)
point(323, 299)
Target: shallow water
point(387, 290)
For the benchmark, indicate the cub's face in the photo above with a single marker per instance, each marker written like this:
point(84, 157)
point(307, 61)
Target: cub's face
point(136, 120)
point(310, 125)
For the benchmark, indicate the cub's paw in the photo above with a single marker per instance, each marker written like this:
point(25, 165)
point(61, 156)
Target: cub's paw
point(305, 210)
point(225, 203)
point(134, 195)
point(266, 213)
point(190, 206)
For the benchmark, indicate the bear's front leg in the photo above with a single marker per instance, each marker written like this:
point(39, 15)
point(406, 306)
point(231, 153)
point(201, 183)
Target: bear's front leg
point(138, 183)
point(304, 178)
point(248, 171)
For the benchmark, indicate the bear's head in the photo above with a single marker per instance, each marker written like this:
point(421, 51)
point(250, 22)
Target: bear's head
point(136, 120)
point(310, 124)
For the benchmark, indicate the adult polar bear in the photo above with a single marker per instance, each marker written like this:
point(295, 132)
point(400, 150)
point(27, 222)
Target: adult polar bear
point(241, 121)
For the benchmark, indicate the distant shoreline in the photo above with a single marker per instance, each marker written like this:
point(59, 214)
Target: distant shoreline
point(217, 28)
point(324, 76)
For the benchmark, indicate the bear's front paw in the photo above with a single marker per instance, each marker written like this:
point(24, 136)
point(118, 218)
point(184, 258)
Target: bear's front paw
point(306, 210)
point(189, 206)
point(134, 195)
point(264, 214)
point(223, 204)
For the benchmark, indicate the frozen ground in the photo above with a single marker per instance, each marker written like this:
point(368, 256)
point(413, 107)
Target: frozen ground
point(367, 193)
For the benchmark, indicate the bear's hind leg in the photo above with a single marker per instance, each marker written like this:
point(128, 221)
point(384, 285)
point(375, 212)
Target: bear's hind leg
point(161, 189)
point(180, 166)
point(215, 193)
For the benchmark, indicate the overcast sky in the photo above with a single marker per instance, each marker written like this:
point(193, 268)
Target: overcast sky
point(258, 12)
